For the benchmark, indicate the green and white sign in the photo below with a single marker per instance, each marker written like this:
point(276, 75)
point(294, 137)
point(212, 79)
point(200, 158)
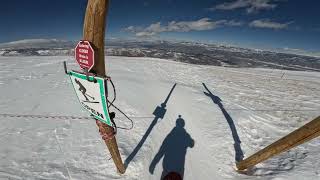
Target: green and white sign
point(92, 95)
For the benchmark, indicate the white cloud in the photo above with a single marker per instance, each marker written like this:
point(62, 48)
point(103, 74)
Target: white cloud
point(181, 26)
point(130, 28)
point(251, 6)
point(199, 25)
point(145, 34)
point(156, 28)
point(234, 23)
point(266, 23)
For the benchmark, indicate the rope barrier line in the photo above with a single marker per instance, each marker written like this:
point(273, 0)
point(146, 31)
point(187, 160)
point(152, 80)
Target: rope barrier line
point(61, 117)
point(34, 116)
point(135, 117)
point(276, 110)
point(42, 116)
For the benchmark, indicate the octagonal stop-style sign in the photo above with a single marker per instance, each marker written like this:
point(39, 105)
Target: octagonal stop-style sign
point(84, 55)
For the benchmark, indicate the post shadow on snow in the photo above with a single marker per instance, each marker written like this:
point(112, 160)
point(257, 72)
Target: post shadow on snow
point(173, 150)
point(237, 143)
point(159, 113)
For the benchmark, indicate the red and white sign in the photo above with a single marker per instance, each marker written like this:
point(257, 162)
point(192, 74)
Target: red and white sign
point(84, 55)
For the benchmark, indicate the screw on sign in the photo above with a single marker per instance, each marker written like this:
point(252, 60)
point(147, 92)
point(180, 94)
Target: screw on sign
point(84, 55)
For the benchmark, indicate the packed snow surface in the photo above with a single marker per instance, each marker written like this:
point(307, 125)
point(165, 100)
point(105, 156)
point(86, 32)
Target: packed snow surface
point(228, 113)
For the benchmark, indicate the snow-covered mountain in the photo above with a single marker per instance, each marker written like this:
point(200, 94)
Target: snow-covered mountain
point(37, 43)
point(189, 52)
point(226, 112)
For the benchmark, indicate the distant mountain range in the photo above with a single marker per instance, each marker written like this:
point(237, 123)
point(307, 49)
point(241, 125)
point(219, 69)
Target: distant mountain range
point(37, 43)
point(188, 52)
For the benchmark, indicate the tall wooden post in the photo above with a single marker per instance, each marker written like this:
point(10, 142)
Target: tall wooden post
point(305, 133)
point(94, 31)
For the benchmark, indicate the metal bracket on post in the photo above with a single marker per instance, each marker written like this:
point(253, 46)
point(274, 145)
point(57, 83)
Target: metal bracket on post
point(87, 75)
point(65, 67)
point(85, 71)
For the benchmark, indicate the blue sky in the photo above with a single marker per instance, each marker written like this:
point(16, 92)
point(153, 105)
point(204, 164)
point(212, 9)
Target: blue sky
point(265, 24)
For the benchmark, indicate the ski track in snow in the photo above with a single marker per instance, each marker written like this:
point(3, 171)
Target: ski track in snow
point(263, 104)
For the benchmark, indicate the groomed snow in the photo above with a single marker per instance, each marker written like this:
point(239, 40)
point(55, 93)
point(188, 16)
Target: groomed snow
point(258, 105)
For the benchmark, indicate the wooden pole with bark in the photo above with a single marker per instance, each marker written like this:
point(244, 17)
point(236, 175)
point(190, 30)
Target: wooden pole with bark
point(305, 133)
point(94, 32)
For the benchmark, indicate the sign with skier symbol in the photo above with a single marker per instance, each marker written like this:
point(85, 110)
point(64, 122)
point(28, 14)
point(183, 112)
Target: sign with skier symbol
point(92, 95)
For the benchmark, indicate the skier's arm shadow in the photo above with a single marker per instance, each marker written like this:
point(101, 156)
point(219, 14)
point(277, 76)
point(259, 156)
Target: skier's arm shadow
point(237, 143)
point(157, 158)
point(159, 113)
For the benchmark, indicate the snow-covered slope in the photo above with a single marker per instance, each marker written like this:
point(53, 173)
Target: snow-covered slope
point(255, 106)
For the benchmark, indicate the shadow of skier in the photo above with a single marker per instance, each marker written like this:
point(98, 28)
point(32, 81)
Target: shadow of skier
point(159, 113)
point(173, 150)
point(237, 143)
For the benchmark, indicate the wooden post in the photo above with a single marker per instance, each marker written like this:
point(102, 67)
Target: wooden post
point(307, 132)
point(94, 31)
